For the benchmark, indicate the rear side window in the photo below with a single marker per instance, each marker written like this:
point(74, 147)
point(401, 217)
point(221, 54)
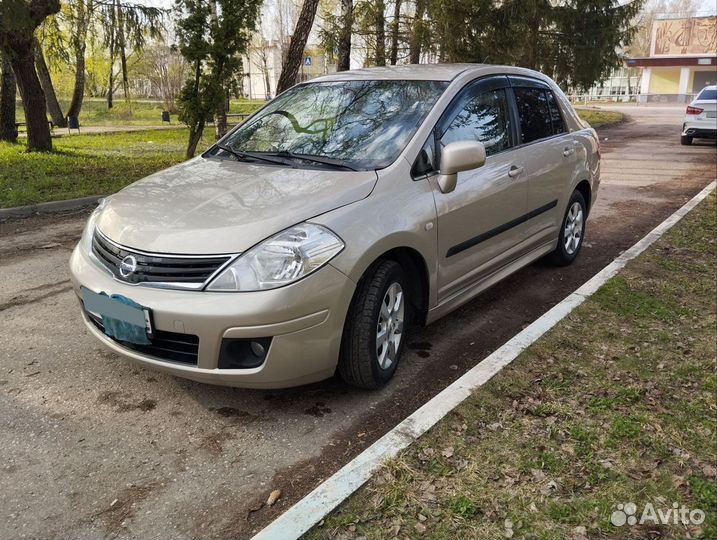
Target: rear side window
point(555, 116)
point(708, 93)
point(484, 118)
point(534, 111)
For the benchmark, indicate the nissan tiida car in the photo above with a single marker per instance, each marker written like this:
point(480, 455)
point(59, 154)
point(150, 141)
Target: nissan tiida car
point(348, 210)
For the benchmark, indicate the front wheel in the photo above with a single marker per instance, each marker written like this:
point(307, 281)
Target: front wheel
point(375, 327)
point(572, 231)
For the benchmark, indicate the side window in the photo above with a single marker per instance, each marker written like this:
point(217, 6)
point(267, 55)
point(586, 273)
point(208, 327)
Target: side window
point(484, 118)
point(555, 115)
point(535, 121)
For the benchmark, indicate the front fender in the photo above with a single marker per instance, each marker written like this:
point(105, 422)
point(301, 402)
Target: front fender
point(396, 215)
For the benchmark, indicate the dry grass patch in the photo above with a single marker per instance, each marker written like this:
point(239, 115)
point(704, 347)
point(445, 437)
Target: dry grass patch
point(614, 405)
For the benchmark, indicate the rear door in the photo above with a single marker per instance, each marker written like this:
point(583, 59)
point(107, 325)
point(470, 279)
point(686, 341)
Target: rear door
point(479, 223)
point(551, 155)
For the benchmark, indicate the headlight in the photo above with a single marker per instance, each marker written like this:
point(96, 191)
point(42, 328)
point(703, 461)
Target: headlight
point(282, 259)
point(86, 241)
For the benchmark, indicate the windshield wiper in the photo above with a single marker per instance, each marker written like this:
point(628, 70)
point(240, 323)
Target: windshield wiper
point(248, 156)
point(336, 163)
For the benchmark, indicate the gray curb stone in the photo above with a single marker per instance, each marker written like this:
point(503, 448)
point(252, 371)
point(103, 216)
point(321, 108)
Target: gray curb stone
point(48, 207)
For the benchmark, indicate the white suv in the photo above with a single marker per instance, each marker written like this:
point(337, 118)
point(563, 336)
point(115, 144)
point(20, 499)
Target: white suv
point(701, 117)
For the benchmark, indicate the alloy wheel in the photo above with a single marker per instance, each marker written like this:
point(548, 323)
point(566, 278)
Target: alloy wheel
point(389, 329)
point(573, 231)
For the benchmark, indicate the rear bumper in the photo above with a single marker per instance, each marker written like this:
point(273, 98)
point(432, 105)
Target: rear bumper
point(305, 321)
point(700, 129)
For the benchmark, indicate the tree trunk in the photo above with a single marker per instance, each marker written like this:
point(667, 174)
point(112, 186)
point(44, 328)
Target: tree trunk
point(8, 91)
point(125, 76)
point(344, 45)
point(295, 55)
point(121, 43)
point(380, 21)
point(220, 119)
point(195, 131)
point(112, 44)
point(79, 44)
point(417, 33)
point(195, 135)
point(267, 80)
point(78, 92)
point(16, 41)
point(33, 99)
point(393, 55)
point(111, 90)
point(53, 105)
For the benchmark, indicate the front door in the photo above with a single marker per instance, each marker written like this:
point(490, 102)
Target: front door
point(479, 223)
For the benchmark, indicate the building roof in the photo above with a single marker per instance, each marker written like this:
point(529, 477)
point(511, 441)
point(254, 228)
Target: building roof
point(673, 61)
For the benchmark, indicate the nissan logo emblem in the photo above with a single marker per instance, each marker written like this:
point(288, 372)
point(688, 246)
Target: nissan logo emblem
point(128, 266)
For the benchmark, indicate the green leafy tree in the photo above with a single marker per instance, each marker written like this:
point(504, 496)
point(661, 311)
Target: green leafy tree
point(126, 28)
point(212, 35)
point(577, 42)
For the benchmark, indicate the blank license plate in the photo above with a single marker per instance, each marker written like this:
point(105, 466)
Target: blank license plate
point(103, 306)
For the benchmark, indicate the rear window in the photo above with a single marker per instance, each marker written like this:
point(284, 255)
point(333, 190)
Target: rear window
point(535, 117)
point(555, 116)
point(708, 93)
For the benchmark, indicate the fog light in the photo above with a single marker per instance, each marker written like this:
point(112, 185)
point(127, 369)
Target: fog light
point(243, 353)
point(258, 349)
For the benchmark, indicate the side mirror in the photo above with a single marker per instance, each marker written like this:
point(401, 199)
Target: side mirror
point(456, 157)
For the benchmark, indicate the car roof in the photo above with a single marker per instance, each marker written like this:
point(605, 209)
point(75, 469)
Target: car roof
point(421, 72)
point(710, 87)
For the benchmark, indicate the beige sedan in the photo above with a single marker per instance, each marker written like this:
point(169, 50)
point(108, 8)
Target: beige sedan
point(346, 212)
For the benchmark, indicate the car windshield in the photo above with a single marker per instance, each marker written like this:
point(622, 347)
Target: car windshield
point(708, 93)
point(350, 124)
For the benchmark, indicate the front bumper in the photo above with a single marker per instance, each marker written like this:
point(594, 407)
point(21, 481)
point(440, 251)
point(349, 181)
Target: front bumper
point(305, 321)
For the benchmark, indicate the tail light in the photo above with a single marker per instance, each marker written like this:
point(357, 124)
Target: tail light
point(694, 110)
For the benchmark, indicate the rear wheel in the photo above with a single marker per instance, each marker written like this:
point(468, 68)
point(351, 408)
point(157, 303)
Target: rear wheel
point(571, 232)
point(685, 140)
point(375, 327)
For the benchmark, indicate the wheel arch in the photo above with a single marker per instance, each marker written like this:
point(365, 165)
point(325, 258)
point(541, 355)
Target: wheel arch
point(416, 270)
point(586, 191)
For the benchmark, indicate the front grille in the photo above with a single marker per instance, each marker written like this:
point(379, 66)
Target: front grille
point(171, 346)
point(182, 272)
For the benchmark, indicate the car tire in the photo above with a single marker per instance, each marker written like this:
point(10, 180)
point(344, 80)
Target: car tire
point(572, 227)
point(685, 140)
point(362, 361)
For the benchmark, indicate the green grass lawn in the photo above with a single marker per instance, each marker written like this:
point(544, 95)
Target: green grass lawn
point(135, 113)
point(84, 165)
point(597, 118)
point(615, 405)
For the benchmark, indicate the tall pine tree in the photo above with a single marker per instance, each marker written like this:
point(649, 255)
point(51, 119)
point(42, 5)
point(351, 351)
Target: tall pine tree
point(212, 36)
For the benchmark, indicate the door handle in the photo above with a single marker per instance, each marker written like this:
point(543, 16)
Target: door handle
point(515, 171)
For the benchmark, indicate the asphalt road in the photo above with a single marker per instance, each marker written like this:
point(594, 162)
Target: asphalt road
point(95, 447)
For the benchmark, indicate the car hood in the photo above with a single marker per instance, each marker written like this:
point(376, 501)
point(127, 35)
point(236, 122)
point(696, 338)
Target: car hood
point(211, 206)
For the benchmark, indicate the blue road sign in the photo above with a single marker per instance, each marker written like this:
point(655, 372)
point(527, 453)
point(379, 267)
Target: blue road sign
point(307, 60)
